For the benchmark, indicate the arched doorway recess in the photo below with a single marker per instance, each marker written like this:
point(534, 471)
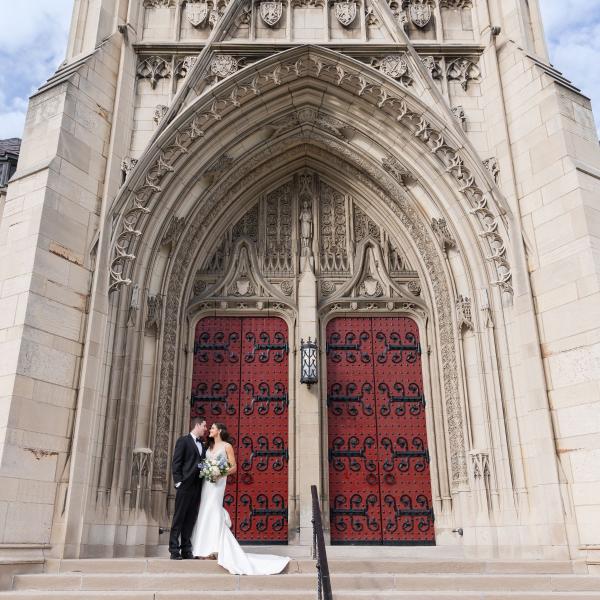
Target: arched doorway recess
point(420, 201)
point(306, 248)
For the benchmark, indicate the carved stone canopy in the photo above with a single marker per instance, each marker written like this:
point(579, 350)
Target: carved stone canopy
point(306, 221)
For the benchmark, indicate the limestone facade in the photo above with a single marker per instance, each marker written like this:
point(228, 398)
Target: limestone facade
point(462, 170)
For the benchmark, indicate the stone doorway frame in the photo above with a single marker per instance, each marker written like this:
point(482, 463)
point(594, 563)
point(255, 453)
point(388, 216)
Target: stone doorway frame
point(434, 409)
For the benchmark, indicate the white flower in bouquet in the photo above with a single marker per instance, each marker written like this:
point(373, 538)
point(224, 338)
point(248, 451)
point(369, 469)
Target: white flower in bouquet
point(212, 469)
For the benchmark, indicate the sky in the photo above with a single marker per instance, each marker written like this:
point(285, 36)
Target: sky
point(34, 37)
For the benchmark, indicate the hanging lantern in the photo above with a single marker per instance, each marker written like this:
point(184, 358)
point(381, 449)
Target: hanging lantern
point(309, 369)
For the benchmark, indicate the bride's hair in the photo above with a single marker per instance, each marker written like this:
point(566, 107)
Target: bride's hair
point(224, 434)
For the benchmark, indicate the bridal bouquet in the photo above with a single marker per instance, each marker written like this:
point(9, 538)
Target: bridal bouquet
point(213, 468)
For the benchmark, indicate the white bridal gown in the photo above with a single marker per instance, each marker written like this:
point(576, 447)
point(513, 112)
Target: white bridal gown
point(212, 535)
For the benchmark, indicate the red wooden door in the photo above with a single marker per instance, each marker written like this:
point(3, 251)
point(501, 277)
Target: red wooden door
point(240, 378)
point(379, 479)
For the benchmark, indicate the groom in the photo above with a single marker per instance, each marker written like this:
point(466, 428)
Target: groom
point(189, 451)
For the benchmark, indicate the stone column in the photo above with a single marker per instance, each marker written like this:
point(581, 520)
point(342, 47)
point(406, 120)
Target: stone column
point(308, 401)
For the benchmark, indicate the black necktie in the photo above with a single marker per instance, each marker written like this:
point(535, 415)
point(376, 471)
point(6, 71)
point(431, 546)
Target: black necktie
point(198, 441)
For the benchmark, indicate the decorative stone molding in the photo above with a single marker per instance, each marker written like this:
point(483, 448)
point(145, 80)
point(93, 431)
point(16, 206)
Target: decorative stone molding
point(154, 68)
point(222, 164)
point(491, 164)
point(442, 233)
point(393, 166)
point(287, 287)
point(328, 287)
point(127, 164)
point(459, 113)
point(456, 4)
point(153, 313)
point(159, 3)
point(159, 113)
point(414, 287)
point(371, 19)
point(174, 231)
point(480, 463)
point(270, 12)
point(134, 304)
point(464, 315)
point(345, 12)
point(140, 476)
point(464, 71)
point(183, 67)
point(432, 64)
point(307, 3)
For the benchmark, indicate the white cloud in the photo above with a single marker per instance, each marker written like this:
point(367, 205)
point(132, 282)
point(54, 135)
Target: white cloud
point(573, 32)
point(34, 39)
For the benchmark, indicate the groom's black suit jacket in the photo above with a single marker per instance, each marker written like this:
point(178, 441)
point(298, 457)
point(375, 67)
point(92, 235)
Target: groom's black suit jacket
point(186, 458)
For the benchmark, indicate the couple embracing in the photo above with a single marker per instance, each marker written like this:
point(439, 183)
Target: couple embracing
point(201, 525)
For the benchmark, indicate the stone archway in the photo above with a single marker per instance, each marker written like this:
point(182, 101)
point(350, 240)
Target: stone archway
point(159, 244)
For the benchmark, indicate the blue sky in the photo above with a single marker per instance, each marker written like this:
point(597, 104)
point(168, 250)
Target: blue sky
point(34, 36)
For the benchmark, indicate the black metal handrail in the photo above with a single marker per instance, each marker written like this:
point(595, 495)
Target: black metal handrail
point(319, 552)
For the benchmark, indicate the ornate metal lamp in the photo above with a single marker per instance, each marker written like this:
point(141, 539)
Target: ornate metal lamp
point(309, 362)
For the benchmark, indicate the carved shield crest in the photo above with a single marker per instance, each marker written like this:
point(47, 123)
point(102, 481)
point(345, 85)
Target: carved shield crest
point(420, 13)
point(223, 65)
point(393, 66)
point(196, 12)
point(271, 12)
point(345, 12)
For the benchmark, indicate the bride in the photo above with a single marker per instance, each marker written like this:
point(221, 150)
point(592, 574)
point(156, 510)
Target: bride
point(212, 534)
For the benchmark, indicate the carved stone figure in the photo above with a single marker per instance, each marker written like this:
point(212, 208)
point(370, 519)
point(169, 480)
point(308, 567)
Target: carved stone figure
point(306, 229)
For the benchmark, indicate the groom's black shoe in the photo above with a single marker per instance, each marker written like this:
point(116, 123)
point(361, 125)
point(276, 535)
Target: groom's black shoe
point(176, 556)
point(188, 556)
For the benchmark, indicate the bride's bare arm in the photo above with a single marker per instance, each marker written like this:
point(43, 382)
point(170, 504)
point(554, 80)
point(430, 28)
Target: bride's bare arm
point(231, 459)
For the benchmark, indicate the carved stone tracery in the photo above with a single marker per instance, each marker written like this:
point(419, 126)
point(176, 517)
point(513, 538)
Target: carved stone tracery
point(154, 68)
point(320, 68)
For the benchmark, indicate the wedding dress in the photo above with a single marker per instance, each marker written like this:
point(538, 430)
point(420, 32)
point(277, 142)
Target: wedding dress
point(212, 535)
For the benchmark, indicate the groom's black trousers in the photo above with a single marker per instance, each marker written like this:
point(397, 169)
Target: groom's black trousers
point(187, 504)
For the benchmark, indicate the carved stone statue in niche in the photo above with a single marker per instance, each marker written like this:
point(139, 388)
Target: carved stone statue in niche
point(306, 229)
point(306, 235)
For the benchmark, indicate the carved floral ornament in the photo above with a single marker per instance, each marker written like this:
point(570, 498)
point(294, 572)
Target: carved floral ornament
point(154, 68)
point(390, 99)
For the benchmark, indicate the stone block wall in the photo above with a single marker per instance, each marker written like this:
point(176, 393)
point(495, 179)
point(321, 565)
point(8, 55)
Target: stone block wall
point(46, 238)
point(557, 171)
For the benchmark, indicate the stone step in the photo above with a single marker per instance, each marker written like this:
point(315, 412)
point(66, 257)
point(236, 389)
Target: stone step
point(396, 566)
point(292, 595)
point(366, 581)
